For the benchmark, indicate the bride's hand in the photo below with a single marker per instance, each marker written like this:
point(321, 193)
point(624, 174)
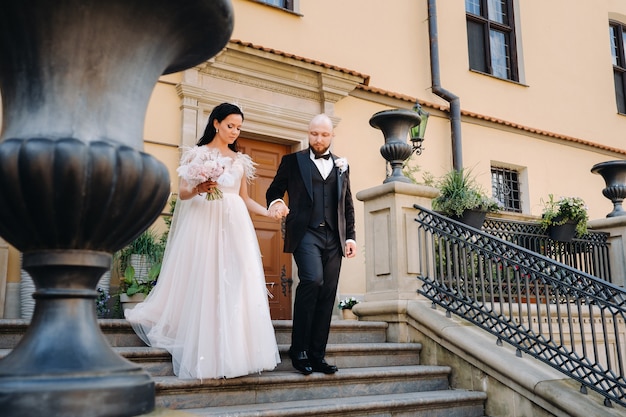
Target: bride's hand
point(206, 187)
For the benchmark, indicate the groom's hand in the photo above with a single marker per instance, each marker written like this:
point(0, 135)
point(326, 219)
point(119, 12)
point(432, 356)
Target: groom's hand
point(350, 249)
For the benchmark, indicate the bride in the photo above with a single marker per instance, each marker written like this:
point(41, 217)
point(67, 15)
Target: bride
point(209, 308)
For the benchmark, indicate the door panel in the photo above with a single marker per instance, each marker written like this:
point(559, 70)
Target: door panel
point(276, 263)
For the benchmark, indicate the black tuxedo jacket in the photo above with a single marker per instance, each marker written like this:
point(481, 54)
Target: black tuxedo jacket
point(294, 177)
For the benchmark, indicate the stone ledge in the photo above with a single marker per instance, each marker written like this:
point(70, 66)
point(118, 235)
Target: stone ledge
point(518, 385)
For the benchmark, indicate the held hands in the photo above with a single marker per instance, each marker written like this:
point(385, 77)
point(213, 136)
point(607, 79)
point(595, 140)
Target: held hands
point(278, 210)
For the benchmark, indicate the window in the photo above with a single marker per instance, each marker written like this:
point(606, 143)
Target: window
point(283, 4)
point(618, 40)
point(505, 188)
point(491, 38)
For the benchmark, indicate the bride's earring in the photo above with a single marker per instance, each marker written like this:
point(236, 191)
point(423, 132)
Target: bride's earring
point(217, 130)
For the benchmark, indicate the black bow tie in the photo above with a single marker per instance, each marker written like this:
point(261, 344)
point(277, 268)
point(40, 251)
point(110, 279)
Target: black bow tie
point(325, 156)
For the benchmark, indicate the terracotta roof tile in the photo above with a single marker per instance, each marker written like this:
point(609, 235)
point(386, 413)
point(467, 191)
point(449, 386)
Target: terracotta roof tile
point(366, 78)
point(495, 120)
point(410, 99)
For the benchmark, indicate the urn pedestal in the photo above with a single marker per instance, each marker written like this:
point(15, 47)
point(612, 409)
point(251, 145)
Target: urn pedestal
point(76, 77)
point(614, 174)
point(395, 125)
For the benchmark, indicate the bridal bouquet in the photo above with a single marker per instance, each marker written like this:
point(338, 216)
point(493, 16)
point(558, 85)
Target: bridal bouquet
point(200, 164)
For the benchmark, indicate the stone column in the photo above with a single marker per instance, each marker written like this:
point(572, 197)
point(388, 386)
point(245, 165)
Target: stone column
point(391, 239)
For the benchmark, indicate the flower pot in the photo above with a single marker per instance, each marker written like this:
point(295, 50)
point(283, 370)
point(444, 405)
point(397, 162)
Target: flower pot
point(129, 302)
point(141, 265)
point(473, 218)
point(105, 282)
point(348, 314)
point(27, 302)
point(562, 233)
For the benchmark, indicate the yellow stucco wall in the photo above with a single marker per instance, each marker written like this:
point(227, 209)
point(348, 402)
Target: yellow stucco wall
point(566, 88)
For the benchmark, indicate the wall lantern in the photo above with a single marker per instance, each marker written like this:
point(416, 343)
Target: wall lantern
point(417, 132)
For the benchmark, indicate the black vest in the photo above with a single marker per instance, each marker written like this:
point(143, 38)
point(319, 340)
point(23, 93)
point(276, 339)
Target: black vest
point(324, 199)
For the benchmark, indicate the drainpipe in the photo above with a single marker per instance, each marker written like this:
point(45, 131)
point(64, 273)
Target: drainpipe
point(455, 103)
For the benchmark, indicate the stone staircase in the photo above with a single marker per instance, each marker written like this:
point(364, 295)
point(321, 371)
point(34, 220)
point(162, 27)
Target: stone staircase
point(375, 378)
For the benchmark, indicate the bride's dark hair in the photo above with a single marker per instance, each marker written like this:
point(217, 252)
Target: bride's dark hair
point(219, 113)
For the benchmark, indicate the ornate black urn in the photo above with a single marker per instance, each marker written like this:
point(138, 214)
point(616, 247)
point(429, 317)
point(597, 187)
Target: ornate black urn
point(395, 125)
point(614, 174)
point(75, 80)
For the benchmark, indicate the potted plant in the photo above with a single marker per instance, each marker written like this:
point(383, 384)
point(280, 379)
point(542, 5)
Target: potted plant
point(346, 305)
point(461, 198)
point(564, 218)
point(139, 264)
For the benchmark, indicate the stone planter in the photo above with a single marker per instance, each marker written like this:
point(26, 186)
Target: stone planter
point(76, 78)
point(129, 302)
point(614, 174)
point(395, 125)
point(347, 314)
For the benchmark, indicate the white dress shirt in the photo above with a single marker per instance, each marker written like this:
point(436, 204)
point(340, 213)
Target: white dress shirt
point(324, 166)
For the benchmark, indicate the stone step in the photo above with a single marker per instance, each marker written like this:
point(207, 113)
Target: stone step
point(356, 355)
point(375, 378)
point(281, 386)
point(449, 403)
point(119, 332)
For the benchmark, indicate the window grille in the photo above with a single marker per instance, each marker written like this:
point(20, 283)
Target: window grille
point(505, 188)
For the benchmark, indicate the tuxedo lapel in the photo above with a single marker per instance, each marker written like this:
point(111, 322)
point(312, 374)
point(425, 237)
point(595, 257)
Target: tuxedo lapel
point(304, 165)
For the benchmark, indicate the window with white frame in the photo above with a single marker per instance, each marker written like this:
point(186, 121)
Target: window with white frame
point(617, 34)
point(491, 38)
point(283, 4)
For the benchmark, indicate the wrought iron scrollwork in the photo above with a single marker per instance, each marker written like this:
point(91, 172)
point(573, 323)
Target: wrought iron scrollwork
point(284, 281)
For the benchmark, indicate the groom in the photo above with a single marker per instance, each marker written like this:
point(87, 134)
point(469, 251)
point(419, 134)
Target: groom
point(319, 231)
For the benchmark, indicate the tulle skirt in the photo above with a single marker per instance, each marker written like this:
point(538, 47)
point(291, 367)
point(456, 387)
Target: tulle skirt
point(209, 308)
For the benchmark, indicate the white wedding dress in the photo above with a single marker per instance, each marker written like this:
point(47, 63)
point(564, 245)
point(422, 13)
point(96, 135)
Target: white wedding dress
point(209, 308)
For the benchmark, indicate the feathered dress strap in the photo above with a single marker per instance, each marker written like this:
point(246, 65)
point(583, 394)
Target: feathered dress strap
point(249, 166)
point(188, 154)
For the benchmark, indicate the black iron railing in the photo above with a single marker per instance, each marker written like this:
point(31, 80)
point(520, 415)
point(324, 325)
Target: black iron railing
point(589, 254)
point(567, 318)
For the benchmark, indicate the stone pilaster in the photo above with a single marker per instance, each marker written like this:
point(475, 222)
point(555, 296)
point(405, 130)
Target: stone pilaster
point(391, 239)
point(616, 227)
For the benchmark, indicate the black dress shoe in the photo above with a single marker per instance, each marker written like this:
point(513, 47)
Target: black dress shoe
point(324, 367)
point(301, 362)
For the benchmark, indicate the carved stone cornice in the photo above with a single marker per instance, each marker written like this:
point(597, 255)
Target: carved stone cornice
point(242, 74)
point(289, 75)
point(189, 91)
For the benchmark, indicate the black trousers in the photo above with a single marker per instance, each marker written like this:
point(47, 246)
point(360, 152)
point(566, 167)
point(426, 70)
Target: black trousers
point(318, 257)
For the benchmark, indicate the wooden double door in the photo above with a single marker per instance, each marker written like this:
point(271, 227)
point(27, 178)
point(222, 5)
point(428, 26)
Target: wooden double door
point(276, 263)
